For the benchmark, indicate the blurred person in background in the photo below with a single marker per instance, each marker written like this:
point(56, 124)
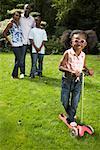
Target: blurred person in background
point(27, 22)
point(16, 42)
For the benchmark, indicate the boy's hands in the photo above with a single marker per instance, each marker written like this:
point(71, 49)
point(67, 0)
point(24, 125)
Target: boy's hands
point(91, 72)
point(88, 71)
point(37, 49)
point(77, 73)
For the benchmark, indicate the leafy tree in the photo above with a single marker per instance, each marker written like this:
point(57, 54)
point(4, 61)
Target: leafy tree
point(48, 13)
point(4, 6)
point(81, 14)
point(62, 7)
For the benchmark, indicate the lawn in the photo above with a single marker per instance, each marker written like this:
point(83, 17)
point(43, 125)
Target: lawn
point(29, 108)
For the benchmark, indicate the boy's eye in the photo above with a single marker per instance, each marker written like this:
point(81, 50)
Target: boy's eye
point(76, 41)
point(82, 41)
point(79, 41)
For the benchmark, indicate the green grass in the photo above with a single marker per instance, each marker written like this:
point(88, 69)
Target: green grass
point(37, 104)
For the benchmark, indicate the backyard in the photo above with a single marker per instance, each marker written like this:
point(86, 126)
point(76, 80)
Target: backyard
point(29, 108)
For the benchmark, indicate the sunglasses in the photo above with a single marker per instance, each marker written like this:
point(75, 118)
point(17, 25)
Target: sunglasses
point(82, 41)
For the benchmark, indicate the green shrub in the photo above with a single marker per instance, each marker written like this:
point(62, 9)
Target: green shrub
point(98, 47)
point(59, 30)
point(53, 46)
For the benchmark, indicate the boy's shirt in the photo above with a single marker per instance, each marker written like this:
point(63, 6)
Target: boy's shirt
point(38, 35)
point(74, 62)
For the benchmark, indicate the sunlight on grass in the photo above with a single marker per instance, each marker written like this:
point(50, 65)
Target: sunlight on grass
point(29, 108)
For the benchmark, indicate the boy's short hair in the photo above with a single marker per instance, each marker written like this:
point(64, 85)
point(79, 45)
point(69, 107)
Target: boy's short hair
point(38, 17)
point(78, 32)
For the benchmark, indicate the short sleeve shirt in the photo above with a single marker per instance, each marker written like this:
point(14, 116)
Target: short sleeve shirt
point(38, 35)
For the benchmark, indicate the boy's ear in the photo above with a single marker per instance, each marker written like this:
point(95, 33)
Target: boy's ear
point(86, 43)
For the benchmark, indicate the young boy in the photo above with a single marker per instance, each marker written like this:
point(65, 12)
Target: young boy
point(72, 64)
point(37, 37)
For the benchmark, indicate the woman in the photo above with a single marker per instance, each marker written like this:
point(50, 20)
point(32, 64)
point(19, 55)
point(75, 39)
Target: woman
point(14, 29)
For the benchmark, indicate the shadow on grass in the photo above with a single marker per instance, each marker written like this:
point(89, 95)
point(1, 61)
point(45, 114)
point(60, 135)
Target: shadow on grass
point(46, 80)
point(90, 85)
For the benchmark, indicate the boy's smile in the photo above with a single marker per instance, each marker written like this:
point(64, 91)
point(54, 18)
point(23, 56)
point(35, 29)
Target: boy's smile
point(78, 42)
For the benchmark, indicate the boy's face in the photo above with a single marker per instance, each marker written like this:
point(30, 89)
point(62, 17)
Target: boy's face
point(78, 41)
point(38, 21)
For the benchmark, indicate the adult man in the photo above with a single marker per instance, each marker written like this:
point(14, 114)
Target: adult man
point(27, 22)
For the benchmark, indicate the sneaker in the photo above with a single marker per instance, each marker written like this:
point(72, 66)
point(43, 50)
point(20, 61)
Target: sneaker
point(14, 77)
point(32, 76)
point(21, 76)
point(73, 124)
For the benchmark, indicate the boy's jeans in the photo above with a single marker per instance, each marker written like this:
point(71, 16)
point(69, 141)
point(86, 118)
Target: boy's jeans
point(70, 95)
point(37, 57)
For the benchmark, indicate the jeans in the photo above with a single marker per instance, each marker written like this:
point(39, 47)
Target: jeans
point(18, 64)
point(24, 50)
point(70, 95)
point(37, 58)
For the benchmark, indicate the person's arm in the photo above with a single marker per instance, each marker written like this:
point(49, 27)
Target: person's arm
point(39, 49)
point(6, 31)
point(44, 39)
point(62, 65)
point(33, 44)
point(86, 70)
